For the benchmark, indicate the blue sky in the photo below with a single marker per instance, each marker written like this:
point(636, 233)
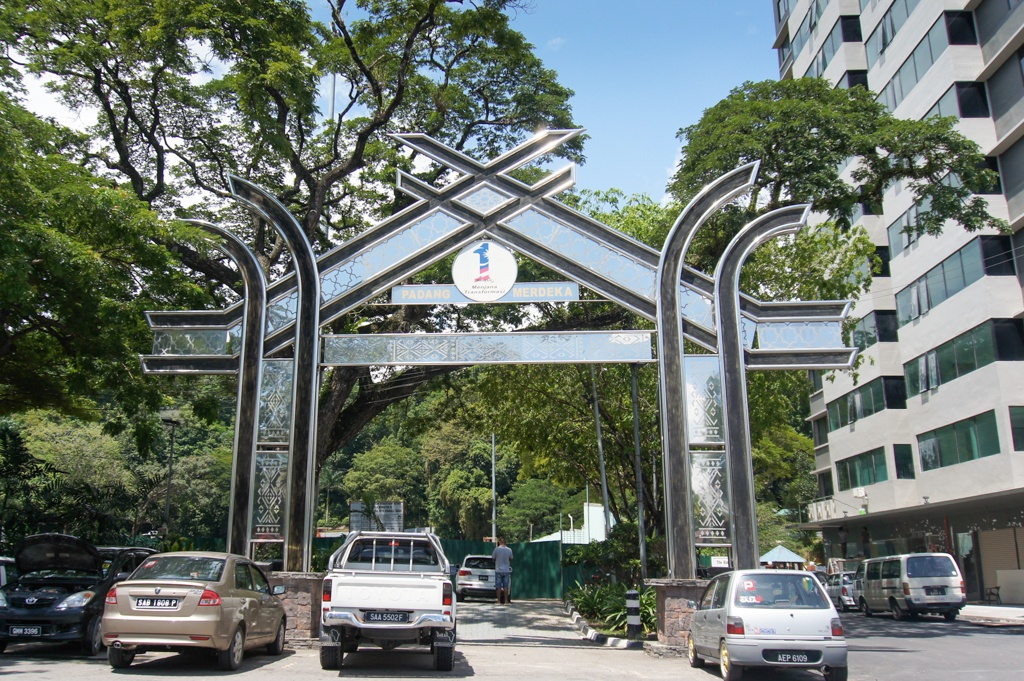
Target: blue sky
point(643, 69)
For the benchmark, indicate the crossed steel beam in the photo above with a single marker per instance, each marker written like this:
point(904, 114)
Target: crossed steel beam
point(484, 201)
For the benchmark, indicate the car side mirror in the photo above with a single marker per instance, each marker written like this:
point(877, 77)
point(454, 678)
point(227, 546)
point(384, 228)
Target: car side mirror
point(693, 605)
point(278, 589)
point(453, 570)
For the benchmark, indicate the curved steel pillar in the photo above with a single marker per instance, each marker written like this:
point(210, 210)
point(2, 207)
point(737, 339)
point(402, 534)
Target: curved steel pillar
point(254, 300)
point(298, 516)
point(672, 385)
point(740, 467)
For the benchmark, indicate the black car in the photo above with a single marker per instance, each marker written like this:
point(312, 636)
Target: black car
point(59, 593)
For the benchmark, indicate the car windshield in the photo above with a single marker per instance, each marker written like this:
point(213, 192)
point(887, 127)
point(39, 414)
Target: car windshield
point(931, 566)
point(201, 568)
point(774, 590)
point(479, 563)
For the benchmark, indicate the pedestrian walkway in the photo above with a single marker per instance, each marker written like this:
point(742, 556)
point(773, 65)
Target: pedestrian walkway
point(1001, 615)
point(540, 622)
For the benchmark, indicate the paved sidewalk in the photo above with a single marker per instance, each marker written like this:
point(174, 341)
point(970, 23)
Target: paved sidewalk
point(539, 622)
point(1001, 615)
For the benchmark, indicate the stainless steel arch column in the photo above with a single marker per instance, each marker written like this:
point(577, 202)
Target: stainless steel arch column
point(298, 517)
point(254, 299)
point(672, 384)
point(740, 466)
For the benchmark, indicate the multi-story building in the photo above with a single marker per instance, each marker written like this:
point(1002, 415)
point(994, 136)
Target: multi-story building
point(925, 450)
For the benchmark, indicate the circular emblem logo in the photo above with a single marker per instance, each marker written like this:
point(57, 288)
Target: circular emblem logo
point(484, 271)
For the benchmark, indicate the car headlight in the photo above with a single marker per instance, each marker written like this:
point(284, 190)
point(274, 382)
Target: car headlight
point(75, 600)
point(3, 599)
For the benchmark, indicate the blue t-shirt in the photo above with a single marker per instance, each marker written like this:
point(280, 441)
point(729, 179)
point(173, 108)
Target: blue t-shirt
point(502, 559)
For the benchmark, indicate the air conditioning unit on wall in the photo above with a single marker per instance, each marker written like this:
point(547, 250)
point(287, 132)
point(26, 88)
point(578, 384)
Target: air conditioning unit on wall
point(860, 493)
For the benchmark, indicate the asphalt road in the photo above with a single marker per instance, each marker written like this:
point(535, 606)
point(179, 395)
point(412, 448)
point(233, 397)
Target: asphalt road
point(536, 642)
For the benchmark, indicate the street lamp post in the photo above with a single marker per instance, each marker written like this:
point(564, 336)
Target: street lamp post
point(173, 423)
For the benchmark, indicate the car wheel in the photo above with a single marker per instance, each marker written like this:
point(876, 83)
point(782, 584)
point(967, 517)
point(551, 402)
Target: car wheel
point(444, 658)
point(459, 597)
point(330, 657)
point(691, 653)
point(276, 647)
point(836, 673)
point(231, 659)
point(950, 615)
point(92, 644)
point(119, 658)
point(867, 609)
point(897, 611)
point(730, 671)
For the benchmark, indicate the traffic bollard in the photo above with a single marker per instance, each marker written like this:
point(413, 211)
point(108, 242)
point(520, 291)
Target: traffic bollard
point(634, 630)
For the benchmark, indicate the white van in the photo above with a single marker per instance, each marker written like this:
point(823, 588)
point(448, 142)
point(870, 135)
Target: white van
point(910, 584)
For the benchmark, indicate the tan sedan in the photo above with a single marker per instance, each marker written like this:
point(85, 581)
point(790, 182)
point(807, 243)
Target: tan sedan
point(188, 600)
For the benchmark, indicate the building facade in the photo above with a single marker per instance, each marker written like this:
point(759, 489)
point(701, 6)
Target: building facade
point(925, 449)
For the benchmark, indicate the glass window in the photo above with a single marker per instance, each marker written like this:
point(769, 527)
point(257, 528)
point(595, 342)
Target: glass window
point(997, 254)
point(947, 363)
point(972, 100)
point(972, 267)
point(843, 475)
point(885, 325)
point(912, 376)
point(891, 569)
point(915, 301)
point(966, 441)
point(243, 580)
point(947, 446)
point(1009, 339)
point(988, 434)
point(936, 284)
point(877, 396)
point(720, 593)
point(780, 590)
point(904, 455)
point(928, 447)
point(1017, 427)
point(984, 346)
point(963, 348)
point(903, 306)
point(960, 28)
point(952, 270)
point(933, 369)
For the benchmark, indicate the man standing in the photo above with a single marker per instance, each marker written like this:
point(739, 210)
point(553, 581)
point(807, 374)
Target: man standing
point(502, 571)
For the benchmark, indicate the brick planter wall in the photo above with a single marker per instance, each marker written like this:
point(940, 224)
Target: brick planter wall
point(302, 603)
point(674, 612)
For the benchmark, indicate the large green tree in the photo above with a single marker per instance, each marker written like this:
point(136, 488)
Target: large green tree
point(79, 263)
point(185, 93)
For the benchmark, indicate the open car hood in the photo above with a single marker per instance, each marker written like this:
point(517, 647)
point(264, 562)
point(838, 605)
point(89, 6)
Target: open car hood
point(55, 552)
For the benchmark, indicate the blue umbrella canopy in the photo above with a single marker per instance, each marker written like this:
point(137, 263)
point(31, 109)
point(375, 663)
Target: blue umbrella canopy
point(780, 554)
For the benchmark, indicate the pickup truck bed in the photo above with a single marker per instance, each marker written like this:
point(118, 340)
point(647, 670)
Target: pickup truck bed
point(387, 590)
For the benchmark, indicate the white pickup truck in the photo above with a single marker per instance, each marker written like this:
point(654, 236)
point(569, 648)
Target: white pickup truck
point(388, 589)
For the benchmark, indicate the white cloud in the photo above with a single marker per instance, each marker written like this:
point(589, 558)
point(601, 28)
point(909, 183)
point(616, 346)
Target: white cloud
point(555, 44)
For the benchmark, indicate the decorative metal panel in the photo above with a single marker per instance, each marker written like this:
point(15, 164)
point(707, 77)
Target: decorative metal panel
point(194, 342)
point(271, 472)
point(384, 255)
point(710, 498)
point(484, 199)
point(282, 311)
point(276, 388)
point(704, 410)
point(611, 264)
point(696, 307)
point(796, 335)
point(488, 348)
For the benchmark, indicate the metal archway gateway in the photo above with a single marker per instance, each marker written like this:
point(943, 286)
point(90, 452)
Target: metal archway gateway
point(709, 498)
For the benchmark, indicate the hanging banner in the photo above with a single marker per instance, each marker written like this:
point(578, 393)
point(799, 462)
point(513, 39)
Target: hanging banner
point(710, 498)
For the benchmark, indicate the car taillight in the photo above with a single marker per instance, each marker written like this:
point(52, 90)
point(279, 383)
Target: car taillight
point(446, 595)
point(111, 598)
point(209, 598)
point(963, 590)
point(734, 626)
point(465, 573)
point(837, 627)
point(906, 589)
point(845, 592)
point(327, 591)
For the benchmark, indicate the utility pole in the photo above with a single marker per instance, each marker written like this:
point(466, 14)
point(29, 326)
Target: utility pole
point(494, 495)
point(600, 455)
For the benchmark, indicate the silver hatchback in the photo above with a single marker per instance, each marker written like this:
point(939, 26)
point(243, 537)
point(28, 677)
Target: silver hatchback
point(768, 618)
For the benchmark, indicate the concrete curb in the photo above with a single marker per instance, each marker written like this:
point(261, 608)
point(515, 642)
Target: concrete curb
point(596, 636)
